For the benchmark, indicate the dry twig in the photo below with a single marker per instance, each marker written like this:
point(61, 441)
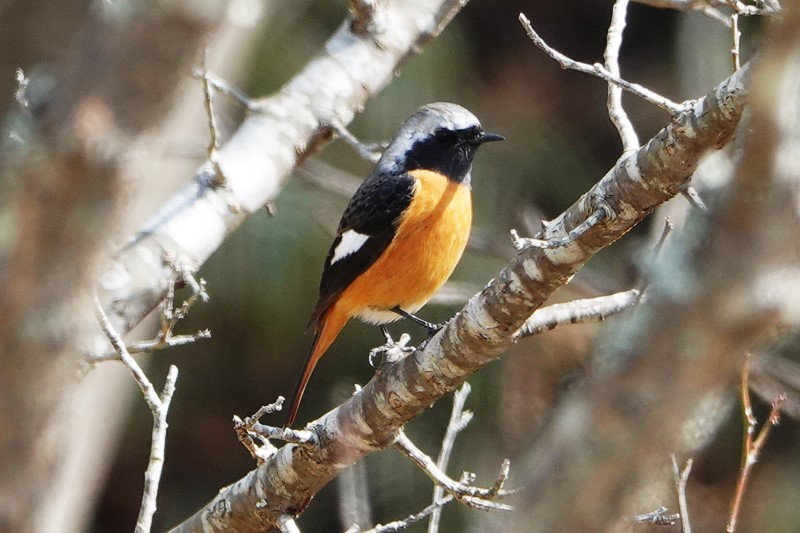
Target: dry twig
point(368, 152)
point(169, 315)
point(681, 479)
point(601, 212)
point(601, 72)
point(659, 517)
point(244, 431)
point(581, 311)
point(159, 406)
point(627, 133)
point(249, 427)
point(459, 419)
point(753, 444)
point(400, 525)
point(470, 495)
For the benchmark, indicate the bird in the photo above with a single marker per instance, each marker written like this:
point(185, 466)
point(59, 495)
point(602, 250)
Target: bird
point(402, 233)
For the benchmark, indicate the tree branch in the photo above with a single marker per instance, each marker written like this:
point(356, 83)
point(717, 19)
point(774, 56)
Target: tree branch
point(485, 328)
point(458, 421)
point(600, 71)
point(627, 133)
point(728, 281)
point(159, 407)
point(470, 495)
point(280, 132)
point(578, 312)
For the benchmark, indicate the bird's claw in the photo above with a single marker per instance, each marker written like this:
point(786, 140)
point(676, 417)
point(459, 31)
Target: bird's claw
point(391, 351)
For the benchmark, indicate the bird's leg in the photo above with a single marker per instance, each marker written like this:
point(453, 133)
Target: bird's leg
point(386, 334)
point(432, 328)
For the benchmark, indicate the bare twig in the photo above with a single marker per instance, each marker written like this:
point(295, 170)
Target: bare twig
point(681, 478)
point(690, 193)
point(213, 131)
point(716, 9)
point(368, 152)
point(578, 312)
point(243, 428)
point(659, 517)
point(469, 495)
point(400, 525)
point(223, 87)
point(668, 227)
point(159, 407)
point(600, 71)
point(752, 446)
point(301, 437)
point(153, 345)
point(599, 214)
point(458, 421)
point(736, 34)
point(170, 316)
point(21, 92)
point(627, 133)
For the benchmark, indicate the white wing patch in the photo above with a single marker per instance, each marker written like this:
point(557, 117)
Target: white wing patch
point(351, 242)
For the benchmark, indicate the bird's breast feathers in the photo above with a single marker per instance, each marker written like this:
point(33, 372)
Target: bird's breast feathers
point(430, 236)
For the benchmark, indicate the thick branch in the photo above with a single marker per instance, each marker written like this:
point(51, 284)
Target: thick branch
point(280, 132)
point(110, 74)
point(728, 280)
point(371, 419)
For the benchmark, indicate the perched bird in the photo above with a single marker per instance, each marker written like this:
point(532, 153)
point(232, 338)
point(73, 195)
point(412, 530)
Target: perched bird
point(403, 231)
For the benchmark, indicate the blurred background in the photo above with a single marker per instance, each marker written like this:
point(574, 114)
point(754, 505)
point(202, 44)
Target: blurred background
point(263, 281)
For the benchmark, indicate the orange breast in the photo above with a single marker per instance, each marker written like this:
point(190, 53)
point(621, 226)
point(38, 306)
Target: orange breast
point(429, 241)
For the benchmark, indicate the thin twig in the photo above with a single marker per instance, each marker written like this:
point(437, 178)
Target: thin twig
point(243, 428)
point(598, 215)
point(690, 193)
point(159, 407)
point(221, 86)
point(458, 421)
point(620, 119)
point(169, 315)
point(400, 525)
point(582, 311)
point(21, 92)
point(714, 8)
point(659, 517)
point(153, 345)
point(213, 131)
point(471, 496)
point(736, 34)
point(251, 425)
point(752, 446)
point(368, 152)
point(668, 227)
point(598, 70)
point(681, 479)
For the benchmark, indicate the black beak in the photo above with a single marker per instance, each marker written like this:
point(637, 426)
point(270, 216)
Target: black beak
point(489, 138)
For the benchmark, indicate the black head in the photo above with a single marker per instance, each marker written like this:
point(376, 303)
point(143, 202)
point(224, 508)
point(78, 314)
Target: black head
point(440, 137)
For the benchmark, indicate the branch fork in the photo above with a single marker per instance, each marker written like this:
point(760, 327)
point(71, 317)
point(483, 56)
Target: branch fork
point(249, 429)
point(473, 497)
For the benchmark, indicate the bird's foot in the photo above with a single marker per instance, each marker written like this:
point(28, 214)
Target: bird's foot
point(391, 351)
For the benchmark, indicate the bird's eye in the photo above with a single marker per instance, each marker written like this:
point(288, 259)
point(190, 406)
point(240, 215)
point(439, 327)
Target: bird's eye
point(444, 135)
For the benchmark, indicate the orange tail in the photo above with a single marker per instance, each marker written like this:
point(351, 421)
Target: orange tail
point(326, 329)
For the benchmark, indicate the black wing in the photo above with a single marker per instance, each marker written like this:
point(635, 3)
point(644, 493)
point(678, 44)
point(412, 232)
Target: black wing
point(374, 210)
